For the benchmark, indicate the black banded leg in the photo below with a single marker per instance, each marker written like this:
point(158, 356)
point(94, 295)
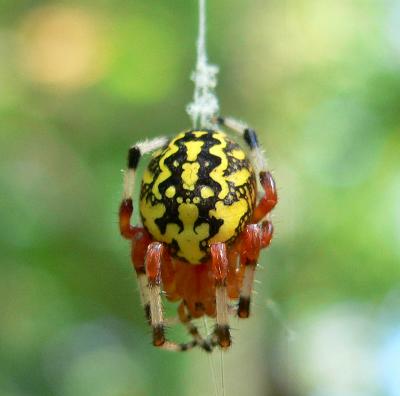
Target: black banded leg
point(185, 318)
point(146, 256)
point(253, 238)
point(126, 207)
point(134, 155)
point(219, 264)
point(153, 263)
point(250, 137)
point(269, 198)
point(138, 235)
point(246, 290)
point(144, 294)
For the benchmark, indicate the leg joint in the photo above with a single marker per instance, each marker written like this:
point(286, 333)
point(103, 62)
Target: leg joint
point(134, 155)
point(158, 335)
point(250, 137)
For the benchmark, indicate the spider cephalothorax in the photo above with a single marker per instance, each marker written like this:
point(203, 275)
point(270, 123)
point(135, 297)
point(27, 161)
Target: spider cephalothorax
point(202, 231)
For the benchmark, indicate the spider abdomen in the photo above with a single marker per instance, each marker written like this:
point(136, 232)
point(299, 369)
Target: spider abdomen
point(199, 189)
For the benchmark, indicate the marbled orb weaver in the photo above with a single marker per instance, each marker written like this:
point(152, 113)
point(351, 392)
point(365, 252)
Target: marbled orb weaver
point(203, 228)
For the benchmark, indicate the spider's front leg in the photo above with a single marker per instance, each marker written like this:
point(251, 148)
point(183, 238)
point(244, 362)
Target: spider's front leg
point(147, 256)
point(126, 207)
point(270, 197)
point(139, 237)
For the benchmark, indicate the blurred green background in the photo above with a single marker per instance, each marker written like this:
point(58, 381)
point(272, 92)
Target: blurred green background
point(80, 81)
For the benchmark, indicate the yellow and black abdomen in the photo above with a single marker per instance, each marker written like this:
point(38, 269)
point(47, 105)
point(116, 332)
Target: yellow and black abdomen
point(199, 189)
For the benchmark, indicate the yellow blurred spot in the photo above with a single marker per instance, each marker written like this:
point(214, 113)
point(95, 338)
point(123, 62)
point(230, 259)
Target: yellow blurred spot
point(61, 46)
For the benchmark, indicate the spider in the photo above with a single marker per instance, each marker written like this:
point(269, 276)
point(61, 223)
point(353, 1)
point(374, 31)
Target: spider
point(202, 230)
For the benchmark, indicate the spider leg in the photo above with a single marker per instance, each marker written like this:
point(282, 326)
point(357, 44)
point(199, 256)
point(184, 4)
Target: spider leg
point(254, 238)
point(219, 265)
point(185, 317)
point(143, 250)
point(268, 200)
point(153, 271)
point(126, 207)
point(134, 155)
point(270, 197)
point(138, 235)
point(153, 264)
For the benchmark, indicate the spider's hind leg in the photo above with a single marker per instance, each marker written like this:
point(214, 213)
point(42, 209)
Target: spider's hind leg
point(155, 255)
point(206, 344)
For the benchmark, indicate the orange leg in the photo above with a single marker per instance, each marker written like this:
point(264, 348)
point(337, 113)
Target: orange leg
point(219, 266)
point(125, 214)
point(140, 240)
point(270, 198)
point(153, 273)
point(249, 135)
point(148, 257)
point(140, 243)
point(254, 238)
point(138, 235)
point(235, 273)
point(126, 207)
point(156, 256)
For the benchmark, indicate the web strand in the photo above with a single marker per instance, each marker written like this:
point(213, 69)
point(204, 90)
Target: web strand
point(205, 103)
point(202, 110)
